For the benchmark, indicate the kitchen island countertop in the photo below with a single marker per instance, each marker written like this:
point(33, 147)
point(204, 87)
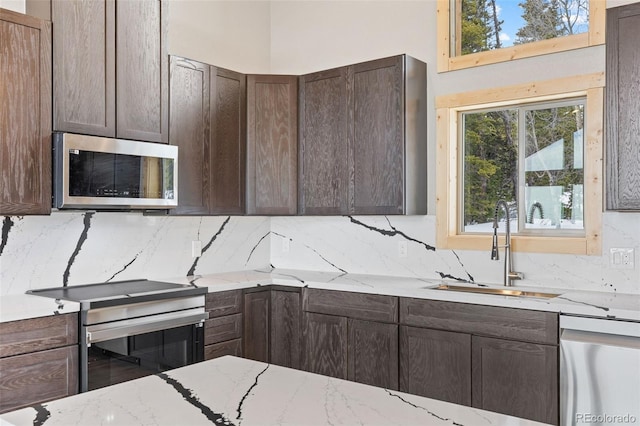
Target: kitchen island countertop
point(236, 391)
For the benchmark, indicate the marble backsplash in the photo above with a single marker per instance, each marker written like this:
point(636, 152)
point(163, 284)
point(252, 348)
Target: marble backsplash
point(70, 248)
point(370, 244)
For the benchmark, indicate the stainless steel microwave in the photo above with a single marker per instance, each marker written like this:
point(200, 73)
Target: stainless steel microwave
point(92, 172)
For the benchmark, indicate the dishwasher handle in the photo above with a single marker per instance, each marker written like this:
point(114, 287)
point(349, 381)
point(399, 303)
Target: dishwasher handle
point(600, 325)
point(600, 339)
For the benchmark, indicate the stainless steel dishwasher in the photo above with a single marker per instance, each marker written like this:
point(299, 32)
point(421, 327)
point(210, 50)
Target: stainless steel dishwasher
point(599, 371)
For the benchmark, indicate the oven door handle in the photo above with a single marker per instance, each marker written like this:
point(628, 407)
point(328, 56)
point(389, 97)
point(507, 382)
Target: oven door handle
point(132, 327)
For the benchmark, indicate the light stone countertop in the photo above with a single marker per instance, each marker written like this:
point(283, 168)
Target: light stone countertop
point(585, 303)
point(236, 391)
point(15, 307)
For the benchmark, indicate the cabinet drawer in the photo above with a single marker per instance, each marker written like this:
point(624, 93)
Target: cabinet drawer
point(232, 347)
point(37, 334)
point(493, 321)
point(373, 307)
point(223, 303)
point(222, 329)
point(38, 377)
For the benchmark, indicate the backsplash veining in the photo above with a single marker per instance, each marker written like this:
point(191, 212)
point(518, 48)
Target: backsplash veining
point(84, 247)
point(369, 244)
point(78, 248)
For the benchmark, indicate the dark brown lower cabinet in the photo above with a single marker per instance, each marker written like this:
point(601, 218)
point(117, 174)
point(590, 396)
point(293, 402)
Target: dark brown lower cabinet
point(223, 329)
point(515, 378)
point(38, 377)
point(498, 359)
point(372, 353)
point(38, 360)
point(272, 326)
point(231, 347)
point(346, 348)
point(325, 344)
point(436, 364)
point(256, 325)
point(285, 328)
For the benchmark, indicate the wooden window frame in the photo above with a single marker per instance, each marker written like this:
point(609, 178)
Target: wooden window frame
point(448, 107)
point(447, 62)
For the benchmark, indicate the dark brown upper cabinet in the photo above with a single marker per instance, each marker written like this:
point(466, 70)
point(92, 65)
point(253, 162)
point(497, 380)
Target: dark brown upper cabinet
point(228, 141)
point(272, 144)
point(623, 108)
point(362, 135)
point(208, 123)
point(189, 130)
point(324, 157)
point(111, 69)
point(25, 118)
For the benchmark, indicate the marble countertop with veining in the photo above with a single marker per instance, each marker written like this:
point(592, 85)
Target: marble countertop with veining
point(571, 302)
point(15, 307)
point(235, 391)
point(587, 303)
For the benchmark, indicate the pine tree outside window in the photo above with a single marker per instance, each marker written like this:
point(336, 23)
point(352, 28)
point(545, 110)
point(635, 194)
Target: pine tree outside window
point(480, 32)
point(531, 156)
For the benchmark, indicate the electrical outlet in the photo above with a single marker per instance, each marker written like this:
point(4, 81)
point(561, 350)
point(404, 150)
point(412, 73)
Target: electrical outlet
point(285, 245)
point(403, 249)
point(622, 258)
point(196, 248)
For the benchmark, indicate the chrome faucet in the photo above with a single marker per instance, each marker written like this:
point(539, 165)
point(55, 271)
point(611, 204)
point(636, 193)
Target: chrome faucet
point(509, 275)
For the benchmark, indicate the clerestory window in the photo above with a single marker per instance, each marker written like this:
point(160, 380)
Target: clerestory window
point(539, 148)
point(480, 32)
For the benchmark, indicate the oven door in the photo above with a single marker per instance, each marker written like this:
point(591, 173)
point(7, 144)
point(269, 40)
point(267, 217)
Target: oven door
point(123, 350)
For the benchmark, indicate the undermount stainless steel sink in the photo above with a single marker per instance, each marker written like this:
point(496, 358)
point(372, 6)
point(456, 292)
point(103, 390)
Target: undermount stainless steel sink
point(496, 291)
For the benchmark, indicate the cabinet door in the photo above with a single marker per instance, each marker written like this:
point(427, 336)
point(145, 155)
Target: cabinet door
point(515, 378)
point(325, 345)
point(189, 85)
point(623, 108)
point(228, 141)
point(37, 334)
point(436, 364)
point(222, 329)
point(223, 303)
point(272, 144)
point(84, 66)
point(38, 377)
point(256, 325)
point(376, 135)
point(373, 353)
point(285, 328)
point(142, 73)
point(25, 115)
point(324, 158)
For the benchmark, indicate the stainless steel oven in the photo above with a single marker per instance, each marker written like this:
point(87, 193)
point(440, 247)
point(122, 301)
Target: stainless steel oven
point(131, 329)
point(124, 342)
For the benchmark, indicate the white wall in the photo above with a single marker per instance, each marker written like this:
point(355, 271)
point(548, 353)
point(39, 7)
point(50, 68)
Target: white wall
point(229, 34)
point(15, 5)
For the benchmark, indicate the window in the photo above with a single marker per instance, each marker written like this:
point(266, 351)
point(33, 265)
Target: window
point(530, 153)
point(539, 148)
point(481, 32)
